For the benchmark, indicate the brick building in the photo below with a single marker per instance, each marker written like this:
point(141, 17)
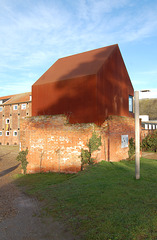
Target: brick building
point(82, 93)
point(12, 109)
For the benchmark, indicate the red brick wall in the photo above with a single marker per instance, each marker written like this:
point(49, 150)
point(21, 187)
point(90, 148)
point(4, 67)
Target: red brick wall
point(55, 145)
point(145, 132)
point(112, 130)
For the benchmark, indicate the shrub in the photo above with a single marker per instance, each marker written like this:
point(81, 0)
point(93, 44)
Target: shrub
point(22, 158)
point(149, 143)
point(131, 151)
point(93, 145)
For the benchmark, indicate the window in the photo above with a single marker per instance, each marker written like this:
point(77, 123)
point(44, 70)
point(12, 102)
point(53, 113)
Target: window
point(15, 107)
point(15, 133)
point(23, 106)
point(30, 98)
point(150, 126)
point(7, 133)
point(146, 126)
point(7, 121)
point(130, 103)
point(0, 109)
point(1, 101)
point(0, 133)
point(153, 126)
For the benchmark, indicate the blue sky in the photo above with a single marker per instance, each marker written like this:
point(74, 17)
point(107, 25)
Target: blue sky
point(35, 33)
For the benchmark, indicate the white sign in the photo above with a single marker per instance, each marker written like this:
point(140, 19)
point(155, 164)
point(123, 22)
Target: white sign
point(124, 141)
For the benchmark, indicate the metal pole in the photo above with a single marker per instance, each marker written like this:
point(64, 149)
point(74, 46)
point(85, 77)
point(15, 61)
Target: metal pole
point(137, 137)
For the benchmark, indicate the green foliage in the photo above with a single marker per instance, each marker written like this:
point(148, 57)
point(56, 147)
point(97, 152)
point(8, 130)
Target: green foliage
point(131, 151)
point(149, 143)
point(149, 107)
point(22, 158)
point(85, 156)
point(93, 145)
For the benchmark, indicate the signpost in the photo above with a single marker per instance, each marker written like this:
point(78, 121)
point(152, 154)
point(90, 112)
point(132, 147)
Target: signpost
point(137, 134)
point(137, 137)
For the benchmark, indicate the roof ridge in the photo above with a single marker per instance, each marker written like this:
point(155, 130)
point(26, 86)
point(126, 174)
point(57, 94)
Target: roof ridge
point(77, 65)
point(9, 96)
point(92, 50)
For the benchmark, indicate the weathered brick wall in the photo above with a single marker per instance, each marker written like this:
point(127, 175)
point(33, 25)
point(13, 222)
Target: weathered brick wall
point(145, 132)
point(112, 130)
point(55, 145)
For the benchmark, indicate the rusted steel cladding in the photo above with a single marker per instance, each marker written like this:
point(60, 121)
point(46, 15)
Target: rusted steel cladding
point(101, 89)
point(75, 98)
point(113, 87)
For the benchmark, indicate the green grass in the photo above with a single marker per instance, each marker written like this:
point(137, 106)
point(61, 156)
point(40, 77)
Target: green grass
point(104, 202)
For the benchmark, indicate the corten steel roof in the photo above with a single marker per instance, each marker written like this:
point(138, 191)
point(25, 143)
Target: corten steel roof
point(78, 65)
point(87, 87)
point(17, 98)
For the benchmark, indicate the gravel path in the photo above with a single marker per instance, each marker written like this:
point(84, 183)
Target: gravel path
point(19, 214)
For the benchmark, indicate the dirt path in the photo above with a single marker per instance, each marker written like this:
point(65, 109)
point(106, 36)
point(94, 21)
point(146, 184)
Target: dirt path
point(149, 155)
point(19, 214)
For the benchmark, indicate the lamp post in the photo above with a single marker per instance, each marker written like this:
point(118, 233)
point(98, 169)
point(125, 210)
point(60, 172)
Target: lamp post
point(137, 134)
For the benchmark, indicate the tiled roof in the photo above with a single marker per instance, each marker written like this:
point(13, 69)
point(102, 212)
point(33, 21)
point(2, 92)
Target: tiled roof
point(6, 97)
point(17, 98)
point(78, 65)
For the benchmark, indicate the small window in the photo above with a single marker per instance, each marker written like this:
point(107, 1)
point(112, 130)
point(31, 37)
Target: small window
point(7, 133)
point(130, 103)
point(146, 126)
point(15, 107)
point(23, 106)
point(153, 126)
point(15, 133)
point(150, 126)
point(1, 101)
point(0, 133)
point(7, 121)
point(0, 109)
point(30, 98)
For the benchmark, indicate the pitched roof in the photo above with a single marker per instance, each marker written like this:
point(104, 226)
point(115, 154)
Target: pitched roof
point(6, 97)
point(78, 65)
point(17, 98)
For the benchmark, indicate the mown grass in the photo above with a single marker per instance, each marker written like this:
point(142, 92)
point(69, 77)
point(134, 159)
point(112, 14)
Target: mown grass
point(104, 202)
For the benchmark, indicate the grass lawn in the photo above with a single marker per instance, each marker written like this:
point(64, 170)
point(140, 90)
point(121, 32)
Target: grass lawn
point(104, 202)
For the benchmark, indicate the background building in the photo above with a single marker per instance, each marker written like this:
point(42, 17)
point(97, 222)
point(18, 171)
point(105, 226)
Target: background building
point(12, 109)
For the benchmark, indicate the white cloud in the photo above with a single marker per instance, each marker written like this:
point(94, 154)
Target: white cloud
point(151, 72)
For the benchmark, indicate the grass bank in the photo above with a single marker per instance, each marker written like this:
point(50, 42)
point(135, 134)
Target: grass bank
point(104, 202)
